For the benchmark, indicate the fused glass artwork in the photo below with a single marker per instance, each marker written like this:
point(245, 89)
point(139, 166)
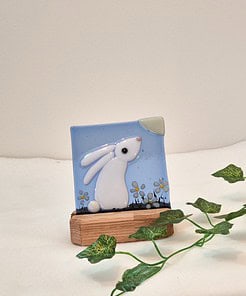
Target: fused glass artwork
point(120, 166)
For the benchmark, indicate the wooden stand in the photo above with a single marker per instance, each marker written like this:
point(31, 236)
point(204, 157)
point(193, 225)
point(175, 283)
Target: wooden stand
point(86, 228)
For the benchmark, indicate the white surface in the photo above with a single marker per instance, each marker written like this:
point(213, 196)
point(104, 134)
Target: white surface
point(38, 259)
point(66, 63)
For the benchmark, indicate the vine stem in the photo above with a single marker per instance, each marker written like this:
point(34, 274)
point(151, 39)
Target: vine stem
point(187, 248)
point(209, 220)
point(209, 238)
point(194, 223)
point(202, 240)
point(158, 250)
point(112, 293)
point(139, 260)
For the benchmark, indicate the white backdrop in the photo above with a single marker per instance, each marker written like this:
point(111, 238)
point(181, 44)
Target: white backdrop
point(68, 62)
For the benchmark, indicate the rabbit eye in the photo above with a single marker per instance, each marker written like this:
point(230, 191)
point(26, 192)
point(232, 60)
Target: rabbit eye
point(124, 150)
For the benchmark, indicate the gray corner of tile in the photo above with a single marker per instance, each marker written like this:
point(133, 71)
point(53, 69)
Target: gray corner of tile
point(154, 124)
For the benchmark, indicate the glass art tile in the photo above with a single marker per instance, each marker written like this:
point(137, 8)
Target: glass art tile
point(120, 166)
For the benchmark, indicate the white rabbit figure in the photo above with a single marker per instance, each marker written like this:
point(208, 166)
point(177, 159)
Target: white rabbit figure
point(111, 190)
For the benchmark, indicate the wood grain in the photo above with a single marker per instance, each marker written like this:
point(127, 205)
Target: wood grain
point(85, 229)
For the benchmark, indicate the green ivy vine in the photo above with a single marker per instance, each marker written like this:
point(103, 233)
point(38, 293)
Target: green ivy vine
point(104, 247)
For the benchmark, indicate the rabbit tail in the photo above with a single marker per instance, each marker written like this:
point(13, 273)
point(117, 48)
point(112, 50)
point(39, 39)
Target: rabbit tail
point(93, 206)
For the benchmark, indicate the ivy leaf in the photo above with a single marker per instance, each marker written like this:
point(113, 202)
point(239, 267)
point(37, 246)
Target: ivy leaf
point(171, 217)
point(158, 229)
point(233, 215)
point(231, 174)
point(135, 276)
point(151, 232)
point(220, 228)
point(205, 206)
point(102, 248)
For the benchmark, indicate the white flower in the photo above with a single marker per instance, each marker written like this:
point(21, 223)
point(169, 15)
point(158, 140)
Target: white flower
point(161, 186)
point(136, 190)
point(83, 197)
point(150, 201)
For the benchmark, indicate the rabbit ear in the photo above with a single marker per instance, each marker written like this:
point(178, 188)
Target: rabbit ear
point(97, 167)
point(92, 156)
